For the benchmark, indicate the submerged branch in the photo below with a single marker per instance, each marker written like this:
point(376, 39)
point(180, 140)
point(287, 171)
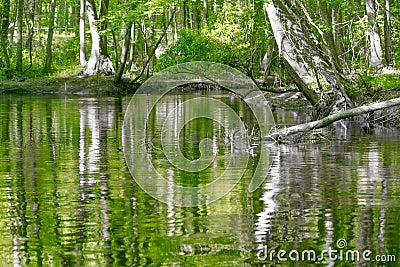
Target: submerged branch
point(332, 118)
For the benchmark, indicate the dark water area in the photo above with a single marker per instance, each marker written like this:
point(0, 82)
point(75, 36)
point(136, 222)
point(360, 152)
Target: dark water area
point(67, 197)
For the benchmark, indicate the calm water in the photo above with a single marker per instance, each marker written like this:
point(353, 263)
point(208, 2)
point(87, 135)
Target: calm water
point(68, 199)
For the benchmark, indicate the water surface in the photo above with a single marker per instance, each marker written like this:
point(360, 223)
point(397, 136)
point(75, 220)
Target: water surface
point(68, 199)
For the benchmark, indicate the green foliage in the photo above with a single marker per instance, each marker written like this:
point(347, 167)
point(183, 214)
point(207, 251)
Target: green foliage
point(375, 88)
point(385, 81)
point(195, 45)
point(235, 36)
point(357, 91)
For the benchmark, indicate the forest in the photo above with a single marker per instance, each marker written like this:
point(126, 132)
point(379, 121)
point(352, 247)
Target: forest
point(303, 156)
point(338, 53)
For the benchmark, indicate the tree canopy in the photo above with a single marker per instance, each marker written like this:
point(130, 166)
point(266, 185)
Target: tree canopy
point(321, 46)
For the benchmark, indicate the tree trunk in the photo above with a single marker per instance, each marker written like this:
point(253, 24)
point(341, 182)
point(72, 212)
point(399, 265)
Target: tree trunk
point(308, 93)
point(124, 53)
point(338, 32)
point(38, 13)
point(194, 15)
point(175, 26)
point(30, 19)
point(20, 15)
point(185, 14)
point(375, 49)
point(205, 12)
point(150, 55)
point(47, 66)
point(388, 35)
point(296, 69)
point(115, 45)
point(145, 54)
point(285, 47)
point(332, 118)
point(103, 26)
point(326, 15)
point(82, 38)
point(304, 53)
point(265, 61)
point(5, 23)
point(98, 62)
point(74, 16)
point(132, 48)
point(13, 22)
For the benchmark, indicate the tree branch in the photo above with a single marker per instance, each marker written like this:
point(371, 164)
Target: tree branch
point(332, 118)
point(153, 52)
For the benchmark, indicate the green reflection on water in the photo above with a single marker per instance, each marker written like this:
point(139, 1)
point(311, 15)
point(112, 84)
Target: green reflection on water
point(67, 198)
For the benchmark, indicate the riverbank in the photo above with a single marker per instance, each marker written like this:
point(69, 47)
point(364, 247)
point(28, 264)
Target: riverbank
point(374, 88)
point(67, 85)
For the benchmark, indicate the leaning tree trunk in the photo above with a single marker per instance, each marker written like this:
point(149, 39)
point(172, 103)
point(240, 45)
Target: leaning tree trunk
point(328, 34)
point(285, 46)
point(375, 49)
point(316, 56)
point(124, 53)
point(331, 119)
point(98, 62)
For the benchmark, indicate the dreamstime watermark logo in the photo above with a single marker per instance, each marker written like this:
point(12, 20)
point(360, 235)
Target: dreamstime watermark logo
point(330, 254)
point(137, 120)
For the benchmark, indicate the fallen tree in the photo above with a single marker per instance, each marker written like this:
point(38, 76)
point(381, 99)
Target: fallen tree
point(331, 119)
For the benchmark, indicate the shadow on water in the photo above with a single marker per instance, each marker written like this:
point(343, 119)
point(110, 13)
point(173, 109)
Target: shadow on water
point(68, 199)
